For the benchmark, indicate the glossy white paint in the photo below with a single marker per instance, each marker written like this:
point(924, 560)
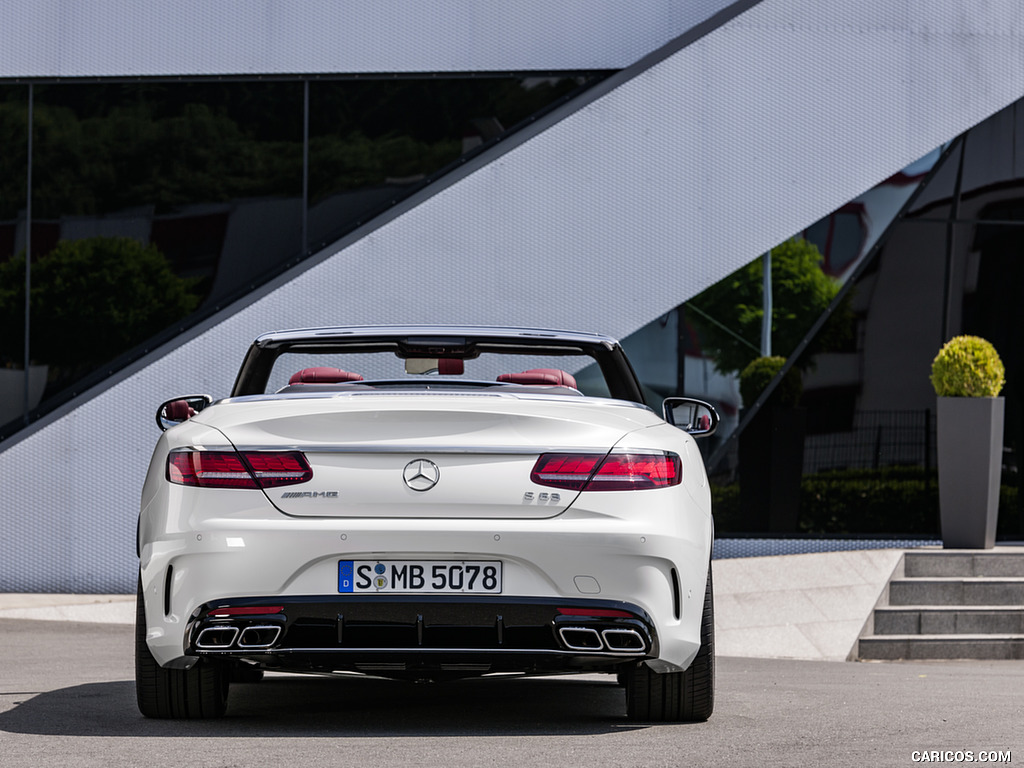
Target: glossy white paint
point(227, 543)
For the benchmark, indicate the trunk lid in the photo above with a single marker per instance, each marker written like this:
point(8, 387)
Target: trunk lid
point(414, 455)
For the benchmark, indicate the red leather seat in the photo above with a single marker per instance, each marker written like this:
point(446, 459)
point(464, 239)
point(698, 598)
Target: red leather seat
point(323, 375)
point(553, 377)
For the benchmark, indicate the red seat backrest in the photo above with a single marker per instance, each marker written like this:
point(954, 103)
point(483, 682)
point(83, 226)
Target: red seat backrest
point(450, 366)
point(323, 375)
point(545, 376)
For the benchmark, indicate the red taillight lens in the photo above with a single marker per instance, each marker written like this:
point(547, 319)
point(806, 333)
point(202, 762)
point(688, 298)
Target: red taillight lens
point(564, 470)
point(226, 469)
point(209, 469)
point(633, 471)
point(274, 469)
point(614, 472)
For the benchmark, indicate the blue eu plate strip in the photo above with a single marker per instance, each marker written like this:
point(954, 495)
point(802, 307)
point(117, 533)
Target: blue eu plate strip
point(345, 576)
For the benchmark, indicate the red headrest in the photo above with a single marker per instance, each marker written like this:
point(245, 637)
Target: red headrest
point(323, 376)
point(549, 376)
point(450, 366)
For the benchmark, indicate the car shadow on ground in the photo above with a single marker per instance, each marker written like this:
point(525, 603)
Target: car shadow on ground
point(289, 706)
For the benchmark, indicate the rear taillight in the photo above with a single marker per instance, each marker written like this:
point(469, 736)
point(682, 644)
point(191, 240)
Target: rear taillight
point(564, 470)
point(274, 469)
point(614, 472)
point(228, 469)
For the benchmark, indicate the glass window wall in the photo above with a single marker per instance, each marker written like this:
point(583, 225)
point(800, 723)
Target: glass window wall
point(935, 251)
point(202, 189)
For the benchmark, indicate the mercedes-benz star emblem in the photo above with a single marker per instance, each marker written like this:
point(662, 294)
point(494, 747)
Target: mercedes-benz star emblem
point(421, 474)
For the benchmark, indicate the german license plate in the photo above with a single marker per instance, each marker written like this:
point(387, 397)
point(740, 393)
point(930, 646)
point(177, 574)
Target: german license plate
point(420, 576)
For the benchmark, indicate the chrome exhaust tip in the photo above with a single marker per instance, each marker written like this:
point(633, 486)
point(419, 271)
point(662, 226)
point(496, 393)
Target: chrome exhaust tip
point(213, 638)
point(259, 636)
point(580, 638)
point(624, 640)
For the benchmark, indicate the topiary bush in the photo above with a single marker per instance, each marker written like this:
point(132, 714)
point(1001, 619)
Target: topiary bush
point(967, 366)
point(759, 373)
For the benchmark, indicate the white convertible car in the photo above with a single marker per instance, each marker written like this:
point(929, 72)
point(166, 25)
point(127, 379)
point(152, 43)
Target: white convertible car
point(427, 503)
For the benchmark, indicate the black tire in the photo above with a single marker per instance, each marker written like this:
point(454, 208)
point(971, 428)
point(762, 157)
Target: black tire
point(177, 694)
point(687, 696)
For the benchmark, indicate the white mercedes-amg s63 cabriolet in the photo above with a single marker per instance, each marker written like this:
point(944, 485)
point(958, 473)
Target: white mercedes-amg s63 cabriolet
point(427, 502)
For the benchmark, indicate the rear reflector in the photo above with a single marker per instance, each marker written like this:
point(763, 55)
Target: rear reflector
point(596, 613)
point(614, 472)
point(227, 469)
point(245, 610)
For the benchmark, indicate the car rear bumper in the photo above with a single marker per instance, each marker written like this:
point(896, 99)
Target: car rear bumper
point(439, 636)
point(656, 561)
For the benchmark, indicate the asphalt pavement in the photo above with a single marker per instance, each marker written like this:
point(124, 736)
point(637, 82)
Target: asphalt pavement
point(67, 699)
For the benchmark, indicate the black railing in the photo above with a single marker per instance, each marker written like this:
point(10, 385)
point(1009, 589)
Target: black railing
point(877, 439)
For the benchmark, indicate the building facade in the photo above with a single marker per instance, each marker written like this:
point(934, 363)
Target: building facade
point(557, 164)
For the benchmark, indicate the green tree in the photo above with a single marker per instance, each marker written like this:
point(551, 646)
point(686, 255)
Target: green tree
point(728, 314)
point(92, 299)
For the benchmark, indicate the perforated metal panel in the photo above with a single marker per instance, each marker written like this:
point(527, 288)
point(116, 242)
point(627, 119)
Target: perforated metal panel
point(605, 216)
point(55, 38)
point(726, 549)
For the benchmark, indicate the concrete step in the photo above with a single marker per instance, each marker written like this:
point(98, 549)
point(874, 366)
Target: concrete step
point(951, 620)
point(918, 647)
point(957, 591)
point(964, 563)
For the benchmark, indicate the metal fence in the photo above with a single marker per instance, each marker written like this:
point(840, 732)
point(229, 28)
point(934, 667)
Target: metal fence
point(878, 439)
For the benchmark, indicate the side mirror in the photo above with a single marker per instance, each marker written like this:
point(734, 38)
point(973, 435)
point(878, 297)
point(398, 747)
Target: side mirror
point(696, 417)
point(173, 412)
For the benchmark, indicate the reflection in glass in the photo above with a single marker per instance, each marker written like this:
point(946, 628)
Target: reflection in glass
point(951, 264)
point(859, 444)
point(156, 203)
point(373, 142)
point(13, 231)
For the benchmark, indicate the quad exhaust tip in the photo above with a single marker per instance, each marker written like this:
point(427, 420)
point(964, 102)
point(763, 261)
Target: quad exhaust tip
point(628, 640)
point(221, 638)
point(214, 638)
point(614, 640)
point(259, 636)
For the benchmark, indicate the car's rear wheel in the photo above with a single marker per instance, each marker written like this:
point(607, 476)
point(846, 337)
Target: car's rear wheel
point(199, 692)
point(677, 696)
